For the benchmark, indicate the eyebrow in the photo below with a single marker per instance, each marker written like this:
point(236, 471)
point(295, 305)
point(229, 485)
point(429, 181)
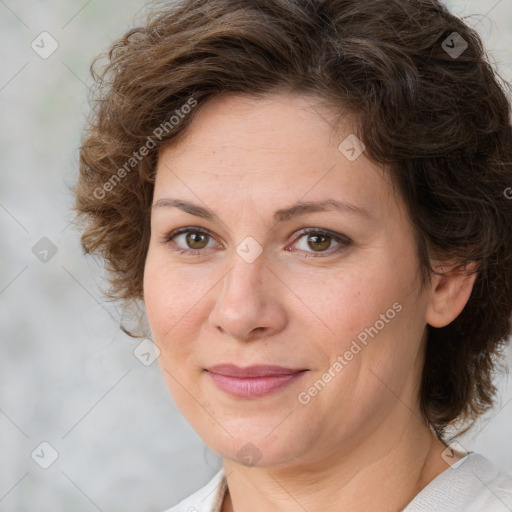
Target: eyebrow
point(285, 214)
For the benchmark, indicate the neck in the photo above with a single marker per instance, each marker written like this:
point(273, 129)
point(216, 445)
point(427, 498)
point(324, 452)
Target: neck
point(380, 474)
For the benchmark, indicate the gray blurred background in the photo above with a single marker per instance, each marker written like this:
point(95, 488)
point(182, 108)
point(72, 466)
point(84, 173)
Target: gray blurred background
point(112, 438)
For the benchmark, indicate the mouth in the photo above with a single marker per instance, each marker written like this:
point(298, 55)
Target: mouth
point(252, 381)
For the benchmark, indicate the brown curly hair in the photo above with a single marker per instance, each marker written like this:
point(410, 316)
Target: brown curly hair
point(427, 104)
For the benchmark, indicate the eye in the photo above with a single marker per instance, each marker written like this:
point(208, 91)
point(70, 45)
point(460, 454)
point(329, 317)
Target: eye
point(194, 241)
point(320, 240)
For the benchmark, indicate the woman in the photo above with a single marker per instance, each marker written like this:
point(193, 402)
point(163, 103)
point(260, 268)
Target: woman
point(310, 200)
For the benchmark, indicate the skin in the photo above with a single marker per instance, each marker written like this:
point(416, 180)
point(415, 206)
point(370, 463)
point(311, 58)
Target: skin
point(360, 443)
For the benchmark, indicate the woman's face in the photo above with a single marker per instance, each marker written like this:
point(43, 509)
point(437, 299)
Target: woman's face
point(338, 309)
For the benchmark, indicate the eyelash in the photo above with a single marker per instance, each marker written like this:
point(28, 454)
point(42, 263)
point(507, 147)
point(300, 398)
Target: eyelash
point(343, 241)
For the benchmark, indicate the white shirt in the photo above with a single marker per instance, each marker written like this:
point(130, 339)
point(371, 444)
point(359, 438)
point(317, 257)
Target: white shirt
point(472, 484)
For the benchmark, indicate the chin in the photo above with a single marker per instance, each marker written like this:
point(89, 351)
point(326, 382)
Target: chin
point(255, 443)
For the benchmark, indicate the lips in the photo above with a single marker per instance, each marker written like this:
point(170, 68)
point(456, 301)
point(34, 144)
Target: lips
point(231, 370)
point(252, 381)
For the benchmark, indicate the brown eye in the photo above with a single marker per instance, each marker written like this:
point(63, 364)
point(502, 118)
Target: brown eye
point(189, 241)
point(319, 242)
point(196, 239)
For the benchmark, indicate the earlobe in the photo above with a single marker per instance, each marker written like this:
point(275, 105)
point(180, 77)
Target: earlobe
point(450, 293)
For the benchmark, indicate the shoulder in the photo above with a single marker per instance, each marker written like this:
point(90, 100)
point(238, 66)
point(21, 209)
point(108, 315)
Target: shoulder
point(473, 484)
point(207, 499)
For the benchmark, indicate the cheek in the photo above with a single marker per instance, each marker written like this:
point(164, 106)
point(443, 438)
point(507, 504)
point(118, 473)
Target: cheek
point(370, 317)
point(385, 323)
point(158, 294)
point(170, 295)
point(175, 302)
point(342, 304)
point(377, 352)
point(166, 303)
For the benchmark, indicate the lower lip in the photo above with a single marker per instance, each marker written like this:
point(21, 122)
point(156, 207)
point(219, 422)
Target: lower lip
point(253, 387)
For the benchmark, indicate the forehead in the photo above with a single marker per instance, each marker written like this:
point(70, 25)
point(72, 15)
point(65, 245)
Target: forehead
point(279, 148)
point(282, 123)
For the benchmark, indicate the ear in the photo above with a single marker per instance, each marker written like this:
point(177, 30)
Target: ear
point(449, 293)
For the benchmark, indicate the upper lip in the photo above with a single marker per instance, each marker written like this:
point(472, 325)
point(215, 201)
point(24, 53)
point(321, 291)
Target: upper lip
point(265, 370)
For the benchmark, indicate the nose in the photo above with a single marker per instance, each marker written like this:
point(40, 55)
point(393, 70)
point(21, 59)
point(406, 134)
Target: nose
point(250, 301)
